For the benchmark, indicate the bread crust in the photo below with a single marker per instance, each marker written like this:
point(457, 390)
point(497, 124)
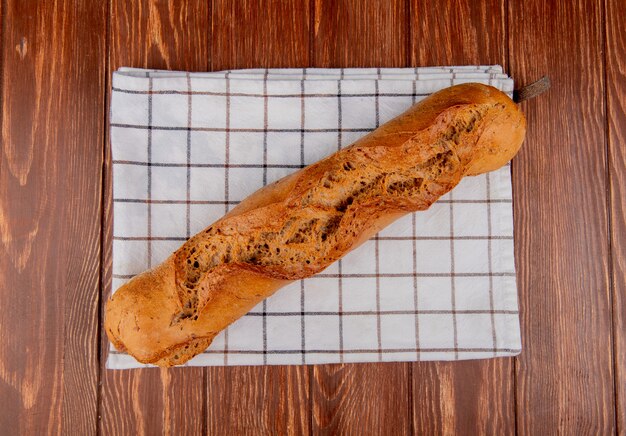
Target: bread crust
point(299, 225)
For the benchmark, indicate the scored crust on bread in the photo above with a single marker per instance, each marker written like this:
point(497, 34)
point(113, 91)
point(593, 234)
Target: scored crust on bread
point(299, 225)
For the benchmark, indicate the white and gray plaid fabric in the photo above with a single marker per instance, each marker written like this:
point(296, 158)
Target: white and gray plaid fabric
point(435, 285)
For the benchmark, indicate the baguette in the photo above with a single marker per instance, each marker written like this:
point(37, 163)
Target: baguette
point(299, 225)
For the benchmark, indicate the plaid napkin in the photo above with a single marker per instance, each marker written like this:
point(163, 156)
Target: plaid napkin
point(435, 285)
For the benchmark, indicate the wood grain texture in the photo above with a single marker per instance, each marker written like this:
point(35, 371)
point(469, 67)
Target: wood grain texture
point(473, 397)
point(565, 373)
point(351, 33)
point(258, 400)
point(616, 113)
point(259, 34)
point(367, 398)
point(152, 401)
point(160, 34)
point(370, 398)
point(457, 33)
point(52, 93)
point(270, 399)
point(170, 35)
point(468, 397)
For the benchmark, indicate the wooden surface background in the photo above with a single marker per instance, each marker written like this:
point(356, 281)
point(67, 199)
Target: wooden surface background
point(56, 61)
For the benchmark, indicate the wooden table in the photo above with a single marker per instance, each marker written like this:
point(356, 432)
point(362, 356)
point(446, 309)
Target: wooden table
point(55, 218)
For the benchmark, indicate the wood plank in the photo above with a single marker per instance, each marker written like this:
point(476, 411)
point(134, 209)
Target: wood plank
point(258, 400)
point(564, 376)
point(169, 35)
point(151, 401)
point(616, 110)
point(50, 165)
point(373, 397)
point(364, 398)
point(267, 399)
point(160, 34)
point(457, 33)
point(463, 397)
point(470, 397)
point(259, 34)
point(350, 33)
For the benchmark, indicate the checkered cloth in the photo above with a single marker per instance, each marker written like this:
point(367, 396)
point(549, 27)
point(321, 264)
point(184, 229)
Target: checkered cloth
point(435, 285)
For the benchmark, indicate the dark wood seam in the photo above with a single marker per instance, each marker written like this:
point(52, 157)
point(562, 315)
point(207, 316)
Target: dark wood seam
point(105, 181)
point(3, 31)
point(609, 209)
point(408, 43)
point(514, 360)
point(311, 60)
